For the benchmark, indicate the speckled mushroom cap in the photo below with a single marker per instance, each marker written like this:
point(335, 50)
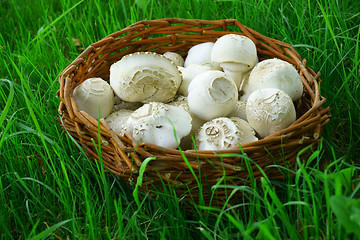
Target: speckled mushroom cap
point(224, 133)
point(145, 77)
point(275, 73)
point(269, 110)
point(239, 110)
point(155, 123)
point(117, 119)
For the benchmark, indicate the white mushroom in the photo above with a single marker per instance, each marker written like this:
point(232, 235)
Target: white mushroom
point(175, 57)
point(269, 110)
point(212, 94)
point(156, 123)
point(239, 110)
point(247, 133)
point(199, 54)
point(94, 94)
point(117, 119)
point(236, 55)
point(224, 133)
point(189, 73)
point(145, 77)
point(276, 73)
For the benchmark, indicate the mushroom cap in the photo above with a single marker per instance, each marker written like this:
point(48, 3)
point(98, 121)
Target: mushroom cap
point(92, 94)
point(175, 57)
point(269, 110)
point(189, 73)
point(239, 110)
point(117, 119)
point(199, 54)
point(276, 73)
point(234, 52)
point(212, 94)
point(145, 77)
point(155, 123)
point(224, 133)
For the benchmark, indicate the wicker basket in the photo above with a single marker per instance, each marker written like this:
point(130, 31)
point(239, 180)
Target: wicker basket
point(123, 157)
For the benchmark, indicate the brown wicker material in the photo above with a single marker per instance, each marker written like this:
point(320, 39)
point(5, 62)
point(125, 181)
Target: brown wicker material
point(123, 157)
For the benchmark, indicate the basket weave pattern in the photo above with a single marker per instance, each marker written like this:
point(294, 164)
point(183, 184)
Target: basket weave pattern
point(123, 157)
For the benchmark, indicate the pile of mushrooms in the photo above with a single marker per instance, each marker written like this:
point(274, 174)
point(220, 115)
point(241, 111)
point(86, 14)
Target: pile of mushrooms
point(220, 96)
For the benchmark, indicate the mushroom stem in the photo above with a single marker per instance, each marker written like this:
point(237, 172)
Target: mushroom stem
point(237, 77)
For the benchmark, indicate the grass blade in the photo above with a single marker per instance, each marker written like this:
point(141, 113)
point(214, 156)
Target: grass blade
point(49, 230)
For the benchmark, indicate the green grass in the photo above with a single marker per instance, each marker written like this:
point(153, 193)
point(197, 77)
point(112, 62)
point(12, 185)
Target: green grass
point(49, 189)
